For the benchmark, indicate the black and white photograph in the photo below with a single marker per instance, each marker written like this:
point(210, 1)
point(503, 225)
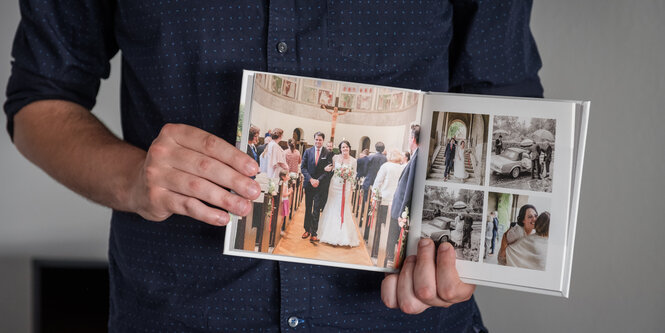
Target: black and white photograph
point(454, 215)
point(458, 142)
point(523, 153)
point(333, 171)
point(517, 230)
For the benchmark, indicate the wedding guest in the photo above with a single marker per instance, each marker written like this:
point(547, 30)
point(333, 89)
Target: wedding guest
point(526, 220)
point(531, 251)
point(263, 161)
point(499, 145)
point(548, 158)
point(292, 156)
point(535, 161)
point(252, 140)
point(489, 231)
point(274, 154)
point(468, 228)
point(388, 176)
point(457, 235)
point(362, 163)
point(407, 157)
point(495, 227)
point(402, 198)
point(375, 161)
point(286, 191)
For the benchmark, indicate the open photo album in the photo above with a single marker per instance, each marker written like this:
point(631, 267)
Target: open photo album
point(353, 175)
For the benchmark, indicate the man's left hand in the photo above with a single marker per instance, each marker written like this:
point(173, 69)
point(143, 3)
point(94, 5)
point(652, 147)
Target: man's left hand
point(428, 279)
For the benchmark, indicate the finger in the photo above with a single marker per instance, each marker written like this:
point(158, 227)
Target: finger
point(449, 286)
point(406, 299)
point(389, 291)
point(199, 188)
point(215, 171)
point(211, 145)
point(188, 206)
point(424, 276)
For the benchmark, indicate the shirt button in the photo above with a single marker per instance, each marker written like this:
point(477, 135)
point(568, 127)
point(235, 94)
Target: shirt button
point(282, 47)
point(293, 321)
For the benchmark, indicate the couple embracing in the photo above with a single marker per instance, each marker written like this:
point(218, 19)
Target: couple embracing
point(327, 191)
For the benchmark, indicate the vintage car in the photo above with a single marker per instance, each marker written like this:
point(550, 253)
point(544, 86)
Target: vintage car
point(512, 161)
point(437, 229)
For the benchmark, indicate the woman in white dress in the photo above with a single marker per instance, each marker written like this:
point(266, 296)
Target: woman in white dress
point(459, 162)
point(334, 229)
point(457, 235)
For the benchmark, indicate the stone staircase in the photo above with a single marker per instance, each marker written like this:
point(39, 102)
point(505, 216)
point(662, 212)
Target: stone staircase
point(439, 165)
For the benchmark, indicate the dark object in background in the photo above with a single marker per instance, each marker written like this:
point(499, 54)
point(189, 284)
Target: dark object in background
point(70, 296)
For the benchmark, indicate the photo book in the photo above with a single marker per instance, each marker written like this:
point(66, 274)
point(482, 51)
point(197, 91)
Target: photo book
point(353, 175)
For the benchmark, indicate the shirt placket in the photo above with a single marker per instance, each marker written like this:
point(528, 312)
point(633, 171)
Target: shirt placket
point(281, 42)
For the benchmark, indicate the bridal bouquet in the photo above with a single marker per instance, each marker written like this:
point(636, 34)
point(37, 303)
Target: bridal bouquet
point(345, 172)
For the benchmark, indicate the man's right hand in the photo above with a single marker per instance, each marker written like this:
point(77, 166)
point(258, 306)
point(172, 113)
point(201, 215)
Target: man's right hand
point(186, 167)
point(314, 182)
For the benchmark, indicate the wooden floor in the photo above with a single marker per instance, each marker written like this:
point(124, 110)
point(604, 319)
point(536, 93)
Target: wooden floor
point(292, 244)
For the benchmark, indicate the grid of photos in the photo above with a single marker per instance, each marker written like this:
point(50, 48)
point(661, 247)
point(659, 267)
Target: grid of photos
point(330, 171)
point(523, 153)
point(454, 216)
point(517, 230)
point(520, 151)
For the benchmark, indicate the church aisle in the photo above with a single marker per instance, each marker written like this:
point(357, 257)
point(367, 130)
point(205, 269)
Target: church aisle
point(292, 244)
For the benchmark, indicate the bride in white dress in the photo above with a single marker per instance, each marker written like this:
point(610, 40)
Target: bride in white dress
point(332, 230)
point(459, 162)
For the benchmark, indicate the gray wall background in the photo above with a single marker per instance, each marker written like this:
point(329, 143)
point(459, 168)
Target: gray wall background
point(609, 51)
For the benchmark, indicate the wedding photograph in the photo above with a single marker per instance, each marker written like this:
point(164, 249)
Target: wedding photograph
point(455, 216)
point(523, 153)
point(457, 150)
point(517, 230)
point(330, 170)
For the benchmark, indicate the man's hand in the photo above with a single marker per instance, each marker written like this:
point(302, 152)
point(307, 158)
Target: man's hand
point(428, 279)
point(314, 182)
point(184, 168)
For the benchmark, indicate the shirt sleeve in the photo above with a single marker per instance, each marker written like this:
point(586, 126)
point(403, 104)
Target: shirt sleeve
point(493, 51)
point(61, 51)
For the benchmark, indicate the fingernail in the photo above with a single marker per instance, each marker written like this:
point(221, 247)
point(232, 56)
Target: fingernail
point(243, 206)
point(423, 242)
point(253, 190)
point(444, 247)
point(252, 168)
point(221, 220)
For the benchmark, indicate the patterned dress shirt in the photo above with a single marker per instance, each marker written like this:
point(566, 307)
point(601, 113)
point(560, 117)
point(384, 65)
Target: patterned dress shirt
point(182, 62)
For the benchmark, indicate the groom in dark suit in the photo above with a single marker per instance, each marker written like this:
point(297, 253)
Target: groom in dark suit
point(314, 161)
point(402, 196)
point(449, 154)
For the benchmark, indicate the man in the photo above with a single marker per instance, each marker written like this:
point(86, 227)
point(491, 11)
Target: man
point(402, 196)
point(468, 228)
point(449, 154)
point(535, 161)
point(492, 230)
point(252, 140)
point(374, 163)
point(182, 63)
point(314, 162)
point(499, 145)
point(329, 146)
point(548, 158)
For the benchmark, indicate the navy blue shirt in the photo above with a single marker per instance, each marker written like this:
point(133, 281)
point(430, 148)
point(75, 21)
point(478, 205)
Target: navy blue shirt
point(182, 62)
